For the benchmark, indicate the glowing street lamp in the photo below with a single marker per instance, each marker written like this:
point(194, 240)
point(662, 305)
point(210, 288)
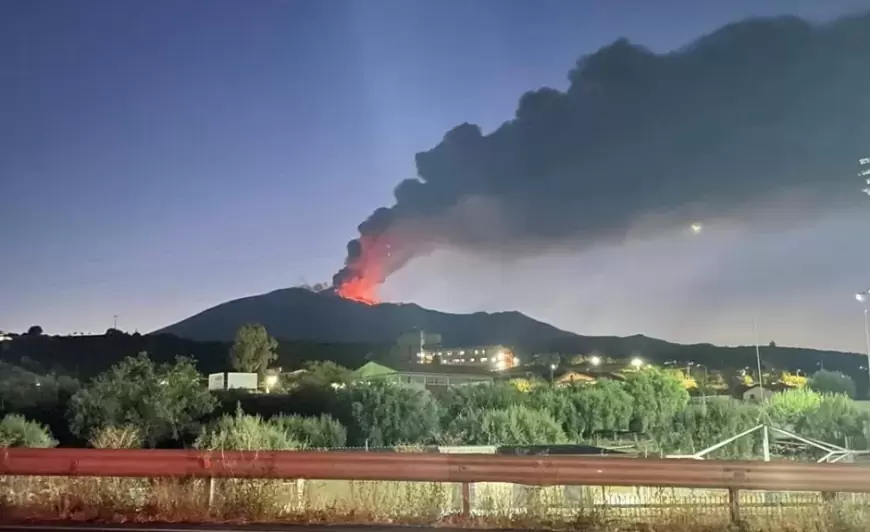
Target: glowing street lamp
point(271, 381)
point(636, 363)
point(595, 360)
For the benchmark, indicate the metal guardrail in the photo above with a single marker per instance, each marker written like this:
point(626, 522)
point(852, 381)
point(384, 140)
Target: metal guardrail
point(464, 469)
point(425, 467)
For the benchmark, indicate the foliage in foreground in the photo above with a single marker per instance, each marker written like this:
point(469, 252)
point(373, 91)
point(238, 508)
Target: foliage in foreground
point(16, 431)
point(411, 503)
point(241, 432)
point(514, 425)
point(321, 432)
point(163, 401)
point(381, 414)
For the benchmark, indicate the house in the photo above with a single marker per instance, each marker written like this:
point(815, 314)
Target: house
point(496, 357)
point(574, 377)
point(755, 393)
point(424, 375)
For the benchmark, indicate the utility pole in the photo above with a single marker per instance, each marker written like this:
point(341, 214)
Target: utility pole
point(758, 358)
point(115, 322)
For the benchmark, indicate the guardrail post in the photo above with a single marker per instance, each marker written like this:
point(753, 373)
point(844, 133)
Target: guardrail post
point(734, 505)
point(466, 500)
point(209, 483)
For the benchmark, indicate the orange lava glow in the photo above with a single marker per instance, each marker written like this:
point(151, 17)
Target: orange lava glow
point(359, 290)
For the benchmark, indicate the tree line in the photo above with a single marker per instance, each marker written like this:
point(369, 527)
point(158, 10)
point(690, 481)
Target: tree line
point(143, 403)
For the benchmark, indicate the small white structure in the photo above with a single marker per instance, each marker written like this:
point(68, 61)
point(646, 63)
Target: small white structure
point(217, 381)
point(233, 381)
point(757, 393)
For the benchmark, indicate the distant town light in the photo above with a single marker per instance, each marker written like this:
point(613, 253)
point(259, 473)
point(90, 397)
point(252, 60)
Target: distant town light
point(636, 362)
point(595, 360)
point(501, 365)
point(271, 381)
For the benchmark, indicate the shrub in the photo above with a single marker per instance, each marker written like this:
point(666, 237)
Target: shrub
point(241, 432)
point(123, 437)
point(381, 414)
point(17, 431)
point(832, 382)
point(321, 432)
point(515, 425)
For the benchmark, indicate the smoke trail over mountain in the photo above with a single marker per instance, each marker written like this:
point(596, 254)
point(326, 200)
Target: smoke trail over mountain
point(751, 112)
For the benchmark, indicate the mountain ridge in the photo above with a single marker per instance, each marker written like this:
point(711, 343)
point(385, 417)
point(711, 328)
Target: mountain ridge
point(301, 314)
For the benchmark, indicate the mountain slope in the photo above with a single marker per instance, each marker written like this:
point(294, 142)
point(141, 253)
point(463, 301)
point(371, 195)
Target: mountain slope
point(300, 314)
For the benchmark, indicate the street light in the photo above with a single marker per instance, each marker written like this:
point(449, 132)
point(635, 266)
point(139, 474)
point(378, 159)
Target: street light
point(595, 360)
point(636, 362)
point(271, 381)
point(864, 297)
point(706, 380)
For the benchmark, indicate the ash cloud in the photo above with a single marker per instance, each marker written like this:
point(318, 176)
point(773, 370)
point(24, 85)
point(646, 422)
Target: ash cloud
point(755, 111)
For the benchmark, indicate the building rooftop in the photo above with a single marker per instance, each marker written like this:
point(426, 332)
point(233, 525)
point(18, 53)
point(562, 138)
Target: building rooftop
point(440, 369)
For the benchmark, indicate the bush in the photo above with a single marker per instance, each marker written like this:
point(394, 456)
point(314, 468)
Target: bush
point(123, 437)
point(699, 426)
point(382, 414)
point(321, 432)
point(657, 397)
point(515, 425)
point(16, 431)
point(163, 401)
point(824, 381)
point(241, 432)
point(458, 399)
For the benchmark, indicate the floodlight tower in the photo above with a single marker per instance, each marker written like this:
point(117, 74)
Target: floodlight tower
point(864, 171)
point(864, 297)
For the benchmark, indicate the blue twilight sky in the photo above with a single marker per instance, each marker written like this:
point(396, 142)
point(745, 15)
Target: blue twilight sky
point(159, 157)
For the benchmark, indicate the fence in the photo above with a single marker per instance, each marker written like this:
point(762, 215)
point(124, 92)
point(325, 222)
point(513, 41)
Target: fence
point(725, 479)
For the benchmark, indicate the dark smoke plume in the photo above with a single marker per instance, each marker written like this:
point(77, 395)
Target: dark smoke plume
point(755, 110)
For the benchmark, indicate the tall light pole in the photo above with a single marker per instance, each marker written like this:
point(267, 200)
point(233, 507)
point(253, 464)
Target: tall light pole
point(706, 380)
point(864, 297)
point(865, 172)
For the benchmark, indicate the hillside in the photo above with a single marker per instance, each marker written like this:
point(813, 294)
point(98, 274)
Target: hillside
point(300, 314)
point(297, 315)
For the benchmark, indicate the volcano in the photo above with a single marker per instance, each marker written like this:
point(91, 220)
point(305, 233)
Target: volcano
point(302, 314)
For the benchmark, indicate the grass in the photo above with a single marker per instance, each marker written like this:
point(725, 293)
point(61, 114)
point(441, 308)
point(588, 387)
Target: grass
point(116, 500)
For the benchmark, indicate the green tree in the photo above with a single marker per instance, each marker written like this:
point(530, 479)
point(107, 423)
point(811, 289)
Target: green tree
point(458, 399)
point(253, 349)
point(832, 382)
point(836, 418)
point(17, 431)
point(162, 401)
point(514, 425)
point(321, 374)
point(382, 414)
point(35, 330)
point(240, 432)
point(561, 404)
point(320, 432)
point(657, 396)
point(787, 409)
point(698, 427)
point(605, 405)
